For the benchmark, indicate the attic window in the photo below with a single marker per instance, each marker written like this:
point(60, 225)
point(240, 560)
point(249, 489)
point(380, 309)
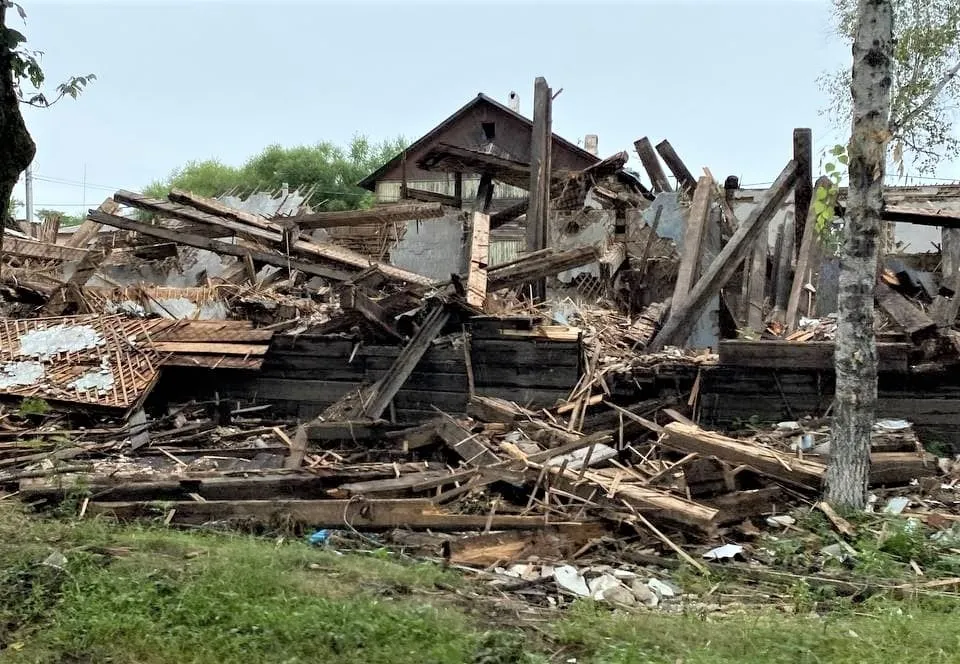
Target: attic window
point(489, 130)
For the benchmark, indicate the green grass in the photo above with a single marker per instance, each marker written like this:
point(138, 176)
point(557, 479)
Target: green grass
point(153, 596)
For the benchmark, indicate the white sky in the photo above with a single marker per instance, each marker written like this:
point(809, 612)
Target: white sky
point(725, 82)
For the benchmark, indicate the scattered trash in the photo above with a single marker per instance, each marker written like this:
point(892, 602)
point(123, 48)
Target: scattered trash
point(724, 552)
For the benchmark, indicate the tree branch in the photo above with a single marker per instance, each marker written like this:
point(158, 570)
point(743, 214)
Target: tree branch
point(897, 125)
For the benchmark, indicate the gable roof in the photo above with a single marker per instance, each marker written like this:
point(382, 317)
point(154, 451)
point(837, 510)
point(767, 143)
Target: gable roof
point(369, 182)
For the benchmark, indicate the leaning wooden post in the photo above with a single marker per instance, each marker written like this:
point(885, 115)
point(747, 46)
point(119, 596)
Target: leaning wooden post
point(540, 144)
point(725, 264)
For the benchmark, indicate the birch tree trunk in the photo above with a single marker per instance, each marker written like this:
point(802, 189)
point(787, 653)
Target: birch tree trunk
point(856, 348)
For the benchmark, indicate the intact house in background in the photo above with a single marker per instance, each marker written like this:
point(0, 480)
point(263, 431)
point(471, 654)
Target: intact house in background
point(482, 126)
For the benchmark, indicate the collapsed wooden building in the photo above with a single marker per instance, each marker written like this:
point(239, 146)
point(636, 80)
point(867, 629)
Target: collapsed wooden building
point(246, 365)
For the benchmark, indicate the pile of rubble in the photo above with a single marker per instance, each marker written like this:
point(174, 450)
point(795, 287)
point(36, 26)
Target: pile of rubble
point(304, 383)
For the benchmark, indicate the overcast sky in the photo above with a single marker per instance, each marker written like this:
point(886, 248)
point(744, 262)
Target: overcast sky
point(725, 82)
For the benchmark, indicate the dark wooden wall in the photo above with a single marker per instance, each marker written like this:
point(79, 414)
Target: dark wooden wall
point(302, 375)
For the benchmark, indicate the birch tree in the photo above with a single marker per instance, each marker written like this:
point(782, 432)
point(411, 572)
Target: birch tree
point(925, 79)
point(856, 348)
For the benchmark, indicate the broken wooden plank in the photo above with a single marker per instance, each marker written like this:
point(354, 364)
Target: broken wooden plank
point(219, 247)
point(477, 259)
point(508, 214)
point(387, 387)
point(805, 258)
point(685, 179)
point(904, 313)
point(790, 356)
point(651, 164)
point(546, 263)
point(465, 444)
point(688, 439)
point(298, 449)
point(364, 515)
point(381, 214)
point(213, 348)
point(354, 299)
point(693, 236)
point(411, 482)
point(14, 246)
point(685, 313)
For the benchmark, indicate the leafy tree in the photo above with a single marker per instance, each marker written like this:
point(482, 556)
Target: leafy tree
point(65, 219)
point(925, 88)
point(329, 170)
point(21, 82)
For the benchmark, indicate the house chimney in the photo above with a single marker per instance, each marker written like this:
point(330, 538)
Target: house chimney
point(590, 144)
point(514, 102)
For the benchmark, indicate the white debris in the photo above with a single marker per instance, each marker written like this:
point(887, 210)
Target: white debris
point(781, 520)
point(16, 374)
point(101, 380)
point(569, 578)
point(662, 588)
point(896, 505)
point(725, 551)
point(44, 344)
point(643, 593)
point(892, 425)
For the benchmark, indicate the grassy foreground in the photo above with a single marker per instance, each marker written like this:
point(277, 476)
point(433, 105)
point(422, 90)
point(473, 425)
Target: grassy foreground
point(151, 596)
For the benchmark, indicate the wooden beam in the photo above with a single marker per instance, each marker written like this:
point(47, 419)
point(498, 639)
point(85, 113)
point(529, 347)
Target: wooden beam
point(217, 246)
point(385, 214)
point(803, 190)
point(477, 259)
point(694, 440)
point(685, 178)
point(14, 246)
point(216, 348)
point(458, 189)
point(684, 313)
point(538, 265)
point(484, 194)
point(364, 515)
point(805, 259)
point(387, 387)
point(508, 214)
point(693, 235)
point(784, 260)
point(540, 145)
point(425, 196)
point(904, 313)
point(354, 299)
point(651, 164)
point(256, 228)
point(757, 283)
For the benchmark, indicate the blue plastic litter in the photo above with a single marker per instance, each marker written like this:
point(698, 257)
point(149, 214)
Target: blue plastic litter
point(320, 537)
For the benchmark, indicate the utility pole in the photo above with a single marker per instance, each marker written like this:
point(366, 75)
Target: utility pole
point(28, 185)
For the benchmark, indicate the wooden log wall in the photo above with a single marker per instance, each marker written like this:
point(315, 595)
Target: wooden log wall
point(302, 375)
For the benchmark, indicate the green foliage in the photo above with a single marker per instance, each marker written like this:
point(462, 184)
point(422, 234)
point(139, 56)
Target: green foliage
point(927, 46)
point(65, 219)
point(825, 199)
point(28, 75)
point(33, 406)
point(329, 170)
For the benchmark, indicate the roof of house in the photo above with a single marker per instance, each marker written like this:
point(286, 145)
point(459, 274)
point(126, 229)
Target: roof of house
point(369, 182)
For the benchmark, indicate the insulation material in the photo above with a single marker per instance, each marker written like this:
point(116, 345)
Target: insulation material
point(95, 360)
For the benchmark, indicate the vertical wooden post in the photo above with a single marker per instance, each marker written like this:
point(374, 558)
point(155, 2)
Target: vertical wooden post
point(782, 283)
point(403, 175)
point(540, 144)
point(458, 189)
point(478, 259)
point(758, 282)
point(803, 194)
